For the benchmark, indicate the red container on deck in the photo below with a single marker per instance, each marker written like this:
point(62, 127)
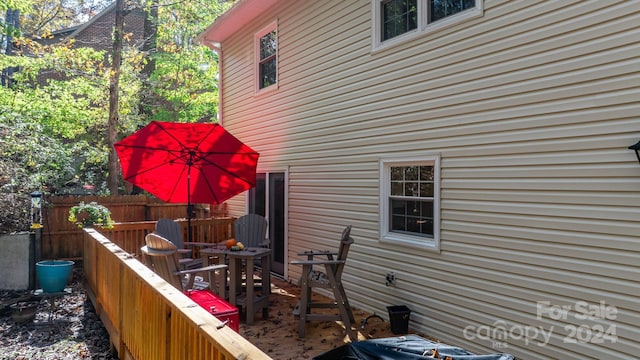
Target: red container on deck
point(217, 306)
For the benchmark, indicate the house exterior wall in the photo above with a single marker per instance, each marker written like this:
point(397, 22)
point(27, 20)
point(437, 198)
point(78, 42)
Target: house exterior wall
point(531, 108)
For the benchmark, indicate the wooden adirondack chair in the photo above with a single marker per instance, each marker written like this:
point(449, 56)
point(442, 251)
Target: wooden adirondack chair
point(251, 230)
point(330, 278)
point(161, 256)
point(172, 231)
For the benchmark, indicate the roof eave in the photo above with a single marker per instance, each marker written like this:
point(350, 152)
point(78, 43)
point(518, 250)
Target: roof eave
point(241, 14)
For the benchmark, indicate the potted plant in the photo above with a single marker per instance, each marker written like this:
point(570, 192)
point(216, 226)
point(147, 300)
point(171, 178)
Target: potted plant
point(53, 275)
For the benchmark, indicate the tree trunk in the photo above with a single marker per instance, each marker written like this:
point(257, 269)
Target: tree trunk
point(149, 49)
point(114, 89)
point(12, 26)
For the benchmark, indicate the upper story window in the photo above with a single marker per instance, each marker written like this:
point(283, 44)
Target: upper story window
point(440, 9)
point(267, 57)
point(398, 17)
point(410, 201)
point(396, 20)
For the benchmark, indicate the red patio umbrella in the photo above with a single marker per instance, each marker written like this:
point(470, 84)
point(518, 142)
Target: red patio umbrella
point(187, 162)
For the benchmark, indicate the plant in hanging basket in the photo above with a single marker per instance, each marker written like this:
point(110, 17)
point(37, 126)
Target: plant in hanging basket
point(90, 215)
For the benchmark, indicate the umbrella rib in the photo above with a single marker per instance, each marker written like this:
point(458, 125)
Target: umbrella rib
point(175, 185)
point(145, 170)
point(226, 171)
point(174, 153)
point(206, 180)
point(177, 154)
point(171, 135)
point(146, 148)
point(206, 136)
point(206, 153)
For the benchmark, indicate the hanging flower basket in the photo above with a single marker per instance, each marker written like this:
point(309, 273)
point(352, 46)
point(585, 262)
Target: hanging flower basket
point(90, 215)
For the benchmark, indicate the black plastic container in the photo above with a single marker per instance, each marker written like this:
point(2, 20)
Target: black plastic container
point(399, 319)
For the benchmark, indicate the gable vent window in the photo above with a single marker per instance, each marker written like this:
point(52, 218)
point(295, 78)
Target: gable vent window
point(267, 62)
point(399, 20)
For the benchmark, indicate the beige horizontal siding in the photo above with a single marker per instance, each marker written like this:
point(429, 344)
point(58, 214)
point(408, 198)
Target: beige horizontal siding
point(531, 107)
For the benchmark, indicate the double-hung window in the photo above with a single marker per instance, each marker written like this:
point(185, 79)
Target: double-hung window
point(396, 20)
point(410, 201)
point(267, 57)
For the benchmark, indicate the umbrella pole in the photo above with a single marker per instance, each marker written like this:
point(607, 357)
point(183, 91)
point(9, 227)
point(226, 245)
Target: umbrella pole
point(189, 222)
point(189, 236)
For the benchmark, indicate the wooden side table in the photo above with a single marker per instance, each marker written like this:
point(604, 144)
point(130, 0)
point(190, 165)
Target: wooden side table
point(243, 262)
point(216, 256)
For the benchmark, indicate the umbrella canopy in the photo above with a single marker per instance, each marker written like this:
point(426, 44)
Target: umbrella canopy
point(187, 162)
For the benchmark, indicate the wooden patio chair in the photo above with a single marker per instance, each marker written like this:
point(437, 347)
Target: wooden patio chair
point(172, 231)
point(251, 230)
point(161, 256)
point(330, 278)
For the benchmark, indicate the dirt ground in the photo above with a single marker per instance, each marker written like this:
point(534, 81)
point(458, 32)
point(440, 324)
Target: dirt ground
point(278, 337)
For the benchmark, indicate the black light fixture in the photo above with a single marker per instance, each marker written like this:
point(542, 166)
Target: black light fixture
point(636, 148)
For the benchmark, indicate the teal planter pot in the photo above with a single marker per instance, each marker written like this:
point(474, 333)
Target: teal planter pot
point(53, 275)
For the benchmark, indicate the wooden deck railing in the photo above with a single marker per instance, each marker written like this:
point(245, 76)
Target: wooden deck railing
point(130, 236)
point(146, 317)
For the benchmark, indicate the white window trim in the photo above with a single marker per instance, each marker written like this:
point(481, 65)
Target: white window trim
point(422, 28)
point(385, 180)
point(256, 68)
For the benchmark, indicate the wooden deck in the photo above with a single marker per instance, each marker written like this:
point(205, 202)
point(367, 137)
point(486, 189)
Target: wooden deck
point(136, 305)
point(277, 335)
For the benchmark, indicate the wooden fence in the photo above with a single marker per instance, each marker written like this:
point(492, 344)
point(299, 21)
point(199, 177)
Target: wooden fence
point(146, 317)
point(62, 239)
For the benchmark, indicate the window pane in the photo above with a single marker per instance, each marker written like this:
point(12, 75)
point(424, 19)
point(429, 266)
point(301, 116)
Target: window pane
point(426, 173)
point(440, 9)
point(411, 188)
point(397, 173)
point(426, 189)
point(397, 188)
point(413, 208)
point(426, 219)
point(411, 173)
point(413, 224)
point(426, 209)
point(397, 223)
point(398, 207)
point(398, 17)
point(427, 227)
point(414, 217)
point(268, 45)
point(267, 73)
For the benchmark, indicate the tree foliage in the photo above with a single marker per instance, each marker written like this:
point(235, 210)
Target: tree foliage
point(20, 5)
point(54, 116)
point(184, 83)
point(45, 16)
point(28, 158)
